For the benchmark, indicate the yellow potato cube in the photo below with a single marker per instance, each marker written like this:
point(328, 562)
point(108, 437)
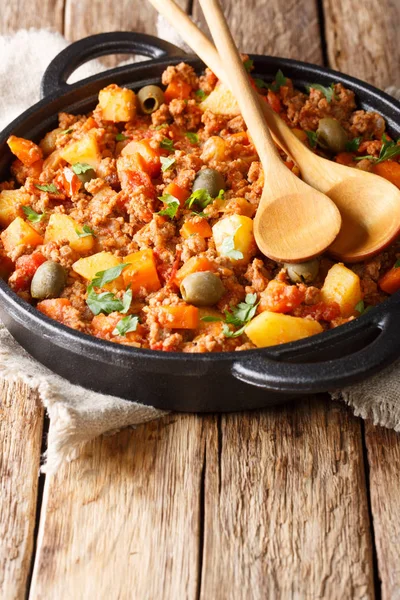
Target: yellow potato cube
point(343, 286)
point(117, 104)
point(88, 267)
point(270, 329)
point(11, 202)
point(85, 150)
point(233, 237)
point(221, 101)
point(20, 233)
point(63, 227)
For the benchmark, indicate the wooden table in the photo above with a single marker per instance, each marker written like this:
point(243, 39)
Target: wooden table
point(296, 502)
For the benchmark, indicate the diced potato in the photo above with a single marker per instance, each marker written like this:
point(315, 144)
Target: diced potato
point(19, 232)
point(270, 329)
point(85, 150)
point(142, 275)
point(48, 143)
point(63, 227)
point(27, 152)
point(150, 156)
point(10, 205)
point(239, 229)
point(221, 101)
point(88, 267)
point(117, 104)
point(343, 286)
point(213, 149)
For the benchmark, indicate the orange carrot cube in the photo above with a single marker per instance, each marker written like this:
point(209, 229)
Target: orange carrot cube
point(25, 150)
point(182, 316)
point(177, 90)
point(201, 228)
point(142, 274)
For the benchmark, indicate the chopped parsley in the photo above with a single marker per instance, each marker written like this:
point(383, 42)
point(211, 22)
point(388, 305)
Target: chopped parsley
point(32, 215)
point(86, 231)
point(79, 168)
point(103, 277)
point(162, 126)
point(126, 325)
point(48, 187)
point(397, 264)
point(172, 205)
point(228, 248)
point(202, 198)
point(329, 92)
point(260, 83)
point(166, 163)
point(360, 307)
point(353, 145)
point(192, 137)
point(107, 302)
point(312, 138)
point(280, 80)
point(66, 131)
point(389, 149)
point(248, 65)
point(200, 94)
point(120, 137)
point(167, 144)
point(239, 316)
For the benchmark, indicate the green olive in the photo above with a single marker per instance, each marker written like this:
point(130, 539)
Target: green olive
point(331, 136)
point(150, 98)
point(87, 175)
point(304, 272)
point(210, 180)
point(48, 281)
point(202, 289)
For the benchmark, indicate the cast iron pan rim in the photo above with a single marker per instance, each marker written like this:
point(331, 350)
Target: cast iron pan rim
point(63, 333)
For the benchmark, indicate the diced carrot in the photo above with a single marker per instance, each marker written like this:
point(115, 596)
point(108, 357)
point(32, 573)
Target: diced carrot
point(390, 282)
point(345, 158)
point(178, 192)
point(280, 297)
point(54, 308)
point(19, 232)
point(390, 170)
point(25, 150)
point(177, 89)
point(182, 316)
point(130, 180)
point(70, 182)
point(142, 274)
point(201, 228)
point(150, 157)
point(274, 102)
point(193, 265)
point(104, 325)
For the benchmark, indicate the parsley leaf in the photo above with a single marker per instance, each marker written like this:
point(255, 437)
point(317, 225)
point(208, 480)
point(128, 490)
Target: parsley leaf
point(397, 264)
point(200, 197)
point(192, 137)
point(167, 162)
point(200, 94)
point(162, 126)
point(106, 302)
point(48, 187)
point(167, 144)
point(353, 145)
point(32, 215)
point(66, 131)
point(120, 137)
point(280, 80)
point(126, 325)
point(172, 205)
point(228, 248)
point(86, 231)
point(103, 277)
point(360, 307)
point(389, 149)
point(79, 168)
point(240, 316)
point(248, 64)
point(312, 138)
point(260, 83)
point(210, 319)
point(126, 301)
point(329, 92)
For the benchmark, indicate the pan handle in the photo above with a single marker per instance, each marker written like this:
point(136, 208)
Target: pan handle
point(117, 42)
point(274, 372)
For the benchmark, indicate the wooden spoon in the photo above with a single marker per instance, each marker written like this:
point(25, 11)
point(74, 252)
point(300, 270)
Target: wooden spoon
point(369, 205)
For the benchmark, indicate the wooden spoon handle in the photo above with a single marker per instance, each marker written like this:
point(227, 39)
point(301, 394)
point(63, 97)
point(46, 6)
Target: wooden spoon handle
point(239, 82)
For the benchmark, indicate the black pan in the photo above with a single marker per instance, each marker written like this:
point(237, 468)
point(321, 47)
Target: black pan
point(192, 382)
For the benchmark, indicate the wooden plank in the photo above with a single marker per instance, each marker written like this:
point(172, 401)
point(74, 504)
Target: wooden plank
point(384, 460)
point(21, 418)
point(363, 40)
point(285, 507)
point(46, 14)
point(289, 29)
point(123, 521)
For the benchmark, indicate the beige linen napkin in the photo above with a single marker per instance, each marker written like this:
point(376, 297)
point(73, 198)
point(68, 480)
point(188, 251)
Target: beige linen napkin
point(78, 415)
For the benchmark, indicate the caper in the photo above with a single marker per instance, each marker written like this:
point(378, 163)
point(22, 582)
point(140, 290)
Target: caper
point(304, 272)
point(48, 281)
point(210, 180)
point(331, 136)
point(87, 175)
point(202, 289)
point(150, 98)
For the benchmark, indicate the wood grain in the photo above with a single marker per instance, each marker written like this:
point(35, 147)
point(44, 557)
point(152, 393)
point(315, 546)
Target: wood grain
point(124, 520)
point(289, 29)
point(384, 463)
point(21, 418)
point(285, 507)
point(362, 39)
point(20, 14)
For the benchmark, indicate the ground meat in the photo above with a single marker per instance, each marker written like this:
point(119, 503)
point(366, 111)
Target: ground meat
point(161, 116)
point(61, 252)
point(257, 275)
point(366, 124)
point(236, 124)
point(182, 72)
point(208, 81)
point(107, 170)
point(193, 246)
point(213, 123)
point(65, 120)
point(186, 113)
